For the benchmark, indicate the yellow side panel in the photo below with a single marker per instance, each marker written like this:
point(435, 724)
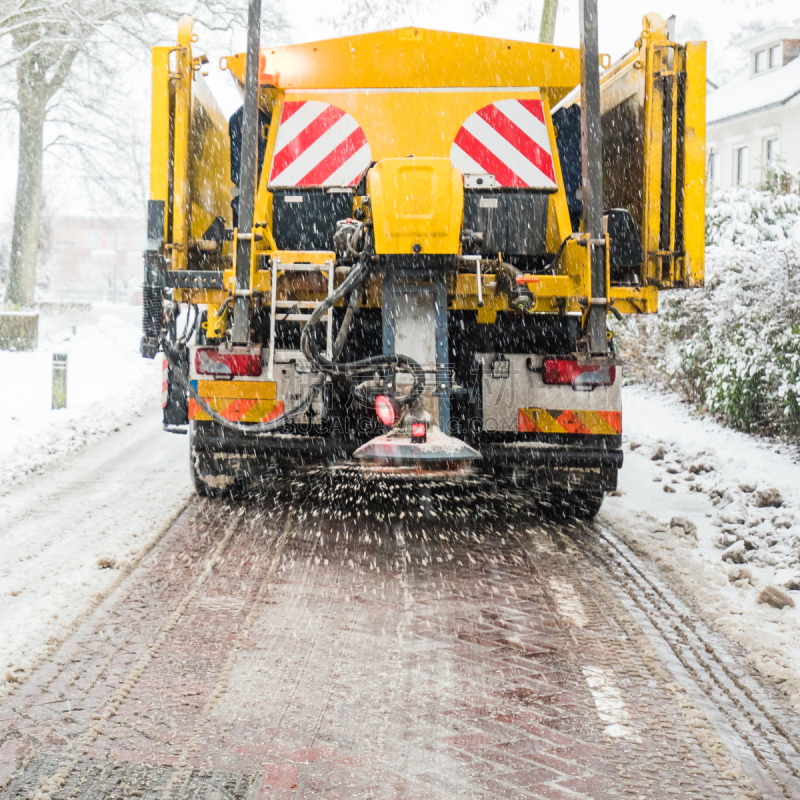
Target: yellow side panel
point(694, 180)
point(181, 198)
point(209, 161)
point(417, 57)
point(417, 205)
point(250, 390)
point(159, 128)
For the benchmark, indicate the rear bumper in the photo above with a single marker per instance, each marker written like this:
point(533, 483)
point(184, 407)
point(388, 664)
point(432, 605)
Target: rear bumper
point(310, 450)
point(541, 454)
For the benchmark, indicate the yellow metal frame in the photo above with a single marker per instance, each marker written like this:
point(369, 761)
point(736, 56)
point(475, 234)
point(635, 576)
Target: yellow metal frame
point(416, 57)
point(410, 90)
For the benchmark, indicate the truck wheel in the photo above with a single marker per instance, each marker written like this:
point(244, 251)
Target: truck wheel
point(587, 504)
point(579, 504)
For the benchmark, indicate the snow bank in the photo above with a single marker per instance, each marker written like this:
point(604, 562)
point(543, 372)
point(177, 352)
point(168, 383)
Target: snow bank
point(708, 476)
point(107, 382)
point(732, 348)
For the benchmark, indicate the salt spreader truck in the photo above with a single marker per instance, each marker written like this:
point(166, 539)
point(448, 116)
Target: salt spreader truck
point(402, 252)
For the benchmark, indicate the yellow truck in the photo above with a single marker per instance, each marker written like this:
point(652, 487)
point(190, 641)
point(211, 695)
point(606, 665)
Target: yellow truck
point(394, 263)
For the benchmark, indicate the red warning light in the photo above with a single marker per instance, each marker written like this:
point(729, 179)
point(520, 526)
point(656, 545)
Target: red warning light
point(385, 409)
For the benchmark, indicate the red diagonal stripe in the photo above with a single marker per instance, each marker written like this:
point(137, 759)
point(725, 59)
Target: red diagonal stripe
point(235, 410)
point(354, 142)
point(518, 139)
point(525, 422)
point(276, 412)
point(535, 107)
point(569, 421)
point(613, 418)
point(289, 108)
point(290, 151)
point(487, 159)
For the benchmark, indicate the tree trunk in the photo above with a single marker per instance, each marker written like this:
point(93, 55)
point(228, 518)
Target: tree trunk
point(28, 205)
point(547, 29)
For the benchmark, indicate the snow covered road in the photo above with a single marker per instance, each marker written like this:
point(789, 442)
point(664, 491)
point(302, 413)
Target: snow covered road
point(742, 495)
point(260, 653)
point(68, 535)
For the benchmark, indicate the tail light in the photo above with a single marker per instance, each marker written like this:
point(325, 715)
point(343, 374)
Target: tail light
point(208, 361)
point(580, 376)
point(419, 432)
point(386, 409)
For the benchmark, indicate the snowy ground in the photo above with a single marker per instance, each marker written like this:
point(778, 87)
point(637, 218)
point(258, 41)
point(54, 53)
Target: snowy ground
point(75, 519)
point(107, 380)
point(719, 481)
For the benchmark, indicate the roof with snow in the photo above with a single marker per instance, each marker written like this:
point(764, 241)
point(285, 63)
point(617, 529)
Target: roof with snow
point(749, 94)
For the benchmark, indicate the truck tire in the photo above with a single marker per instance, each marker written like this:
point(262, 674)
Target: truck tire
point(586, 504)
point(580, 504)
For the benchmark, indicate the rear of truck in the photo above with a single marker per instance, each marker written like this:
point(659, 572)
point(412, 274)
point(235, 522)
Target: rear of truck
point(419, 283)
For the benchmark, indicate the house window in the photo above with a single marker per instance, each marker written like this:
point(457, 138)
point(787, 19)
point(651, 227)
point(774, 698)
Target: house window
point(774, 56)
point(715, 167)
point(773, 151)
point(761, 60)
point(740, 165)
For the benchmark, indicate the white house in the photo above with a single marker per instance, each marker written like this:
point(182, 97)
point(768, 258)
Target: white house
point(754, 121)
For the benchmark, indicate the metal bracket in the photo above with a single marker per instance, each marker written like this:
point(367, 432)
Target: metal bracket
point(194, 279)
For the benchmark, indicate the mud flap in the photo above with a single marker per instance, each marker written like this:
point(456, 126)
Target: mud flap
point(175, 400)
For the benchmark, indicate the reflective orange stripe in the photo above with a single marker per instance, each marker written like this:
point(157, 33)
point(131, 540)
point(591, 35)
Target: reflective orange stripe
point(541, 420)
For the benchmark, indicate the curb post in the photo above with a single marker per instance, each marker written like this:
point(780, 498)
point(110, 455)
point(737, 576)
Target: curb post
point(59, 380)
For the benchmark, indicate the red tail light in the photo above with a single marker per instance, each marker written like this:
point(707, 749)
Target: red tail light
point(386, 409)
point(579, 376)
point(419, 432)
point(208, 361)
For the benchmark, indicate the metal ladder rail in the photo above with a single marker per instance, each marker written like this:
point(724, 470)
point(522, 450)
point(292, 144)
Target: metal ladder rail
point(275, 304)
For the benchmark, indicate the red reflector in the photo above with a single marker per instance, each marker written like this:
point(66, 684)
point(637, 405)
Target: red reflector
point(208, 361)
point(419, 432)
point(579, 376)
point(385, 409)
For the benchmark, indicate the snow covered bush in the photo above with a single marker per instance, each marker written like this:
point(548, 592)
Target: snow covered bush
point(748, 216)
point(732, 348)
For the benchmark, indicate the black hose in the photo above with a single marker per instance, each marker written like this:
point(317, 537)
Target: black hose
point(344, 330)
point(347, 371)
point(252, 428)
point(552, 265)
point(351, 284)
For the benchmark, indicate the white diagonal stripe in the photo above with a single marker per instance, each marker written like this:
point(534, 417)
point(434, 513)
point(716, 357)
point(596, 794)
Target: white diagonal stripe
point(312, 155)
point(298, 122)
point(351, 169)
point(462, 162)
point(528, 122)
point(507, 153)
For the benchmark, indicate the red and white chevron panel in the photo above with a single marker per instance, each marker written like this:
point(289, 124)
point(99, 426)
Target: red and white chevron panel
point(507, 139)
point(318, 145)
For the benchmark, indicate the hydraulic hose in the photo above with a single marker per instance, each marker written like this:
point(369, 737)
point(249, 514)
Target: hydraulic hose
point(345, 372)
point(251, 428)
point(353, 281)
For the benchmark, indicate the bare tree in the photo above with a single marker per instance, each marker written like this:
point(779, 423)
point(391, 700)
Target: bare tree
point(376, 14)
point(547, 28)
point(42, 42)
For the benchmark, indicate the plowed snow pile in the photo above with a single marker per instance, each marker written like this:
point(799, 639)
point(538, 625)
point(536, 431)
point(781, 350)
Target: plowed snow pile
point(721, 511)
point(107, 382)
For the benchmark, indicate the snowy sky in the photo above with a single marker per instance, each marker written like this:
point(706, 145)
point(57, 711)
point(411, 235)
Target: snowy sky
point(717, 21)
